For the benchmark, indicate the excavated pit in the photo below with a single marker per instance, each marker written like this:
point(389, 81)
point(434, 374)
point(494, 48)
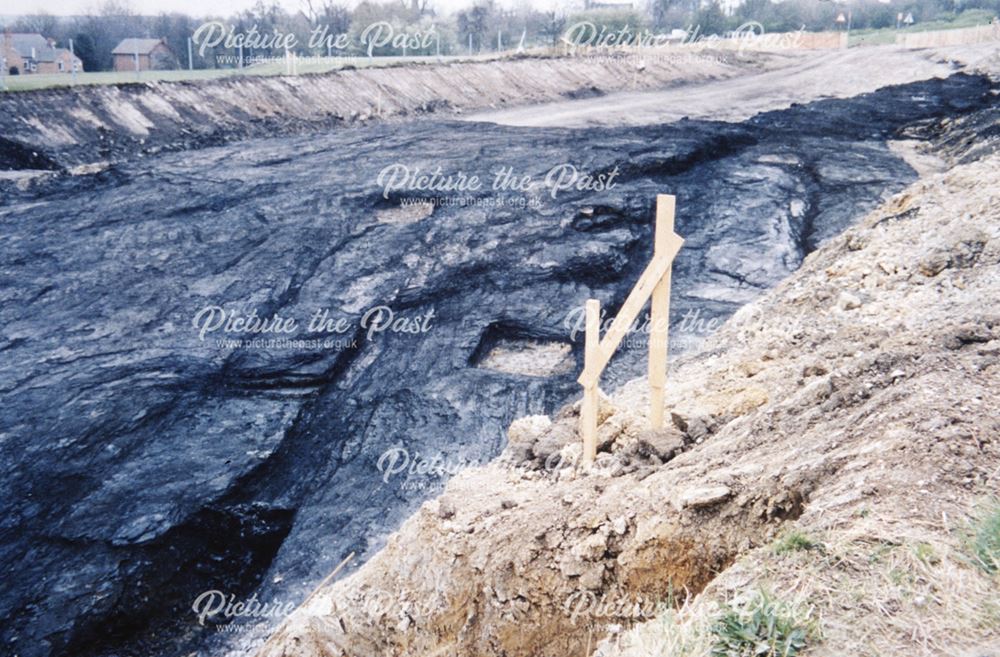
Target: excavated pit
point(529, 555)
point(852, 402)
point(149, 427)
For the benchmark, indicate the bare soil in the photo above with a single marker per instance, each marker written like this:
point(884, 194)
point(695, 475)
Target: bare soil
point(789, 77)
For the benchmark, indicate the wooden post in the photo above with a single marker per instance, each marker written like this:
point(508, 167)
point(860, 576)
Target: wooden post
point(634, 303)
point(659, 312)
point(654, 283)
point(588, 409)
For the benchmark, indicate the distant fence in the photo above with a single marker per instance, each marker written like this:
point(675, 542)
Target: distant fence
point(957, 37)
point(772, 41)
point(745, 40)
point(794, 41)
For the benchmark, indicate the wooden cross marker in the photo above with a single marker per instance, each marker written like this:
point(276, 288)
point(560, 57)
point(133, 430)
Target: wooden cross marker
point(653, 283)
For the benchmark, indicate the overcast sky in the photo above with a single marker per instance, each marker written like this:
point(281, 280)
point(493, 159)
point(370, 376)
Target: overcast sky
point(215, 7)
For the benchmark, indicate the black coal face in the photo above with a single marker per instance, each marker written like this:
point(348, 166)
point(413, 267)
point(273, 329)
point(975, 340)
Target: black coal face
point(146, 461)
point(223, 548)
point(14, 156)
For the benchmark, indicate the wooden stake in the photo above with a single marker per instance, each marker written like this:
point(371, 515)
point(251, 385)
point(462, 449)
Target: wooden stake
point(588, 408)
point(653, 283)
point(659, 312)
point(634, 303)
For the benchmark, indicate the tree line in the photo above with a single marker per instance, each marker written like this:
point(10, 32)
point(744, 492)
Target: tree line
point(484, 26)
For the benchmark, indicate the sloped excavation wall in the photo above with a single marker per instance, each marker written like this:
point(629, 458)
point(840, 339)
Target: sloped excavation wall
point(519, 559)
point(93, 124)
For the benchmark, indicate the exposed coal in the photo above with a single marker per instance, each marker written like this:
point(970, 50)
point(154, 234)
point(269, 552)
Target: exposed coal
point(143, 464)
point(14, 156)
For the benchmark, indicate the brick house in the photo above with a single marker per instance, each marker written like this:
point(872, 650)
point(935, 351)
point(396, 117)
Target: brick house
point(151, 55)
point(25, 53)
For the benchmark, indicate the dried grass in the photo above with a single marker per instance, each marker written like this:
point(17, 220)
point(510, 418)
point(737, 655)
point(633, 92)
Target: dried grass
point(876, 588)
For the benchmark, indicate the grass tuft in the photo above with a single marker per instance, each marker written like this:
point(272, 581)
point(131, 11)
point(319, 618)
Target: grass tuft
point(795, 541)
point(758, 628)
point(926, 553)
point(986, 539)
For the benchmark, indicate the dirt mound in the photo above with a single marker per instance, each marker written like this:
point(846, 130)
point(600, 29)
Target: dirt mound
point(851, 409)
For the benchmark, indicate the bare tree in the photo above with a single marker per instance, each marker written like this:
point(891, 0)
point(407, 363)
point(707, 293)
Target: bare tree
point(107, 25)
point(552, 26)
point(309, 10)
point(42, 23)
point(336, 15)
